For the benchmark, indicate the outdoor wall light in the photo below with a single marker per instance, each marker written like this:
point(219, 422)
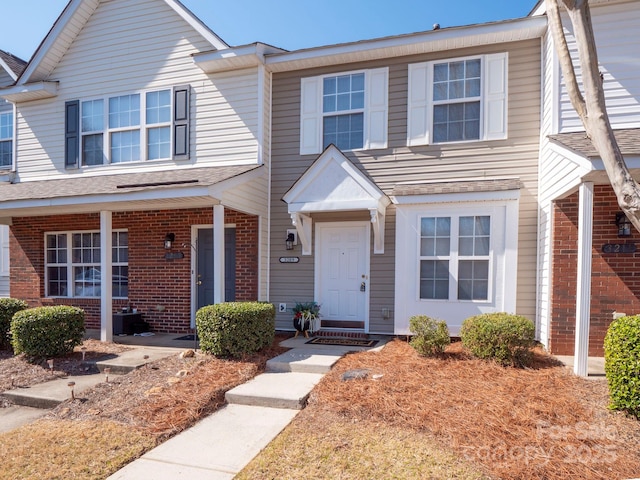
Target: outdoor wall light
point(290, 239)
point(168, 240)
point(623, 224)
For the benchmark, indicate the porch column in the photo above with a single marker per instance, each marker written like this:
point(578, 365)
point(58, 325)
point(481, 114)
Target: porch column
point(106, 285)
point(583, 294)
point(218, 254)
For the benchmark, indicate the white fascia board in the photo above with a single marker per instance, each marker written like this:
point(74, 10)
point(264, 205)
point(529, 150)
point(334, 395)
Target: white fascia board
point(29, 92)
point(415, 43)
point(197, 24)
point(342, 206)
point(579, 160)
point(10, 72)
point(234, 58)
point(457, 197)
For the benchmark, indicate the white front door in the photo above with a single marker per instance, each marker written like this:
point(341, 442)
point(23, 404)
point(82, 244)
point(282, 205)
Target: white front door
point(342, 274)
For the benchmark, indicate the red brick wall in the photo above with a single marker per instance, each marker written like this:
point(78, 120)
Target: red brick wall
point(153, 280)
point(615, 281)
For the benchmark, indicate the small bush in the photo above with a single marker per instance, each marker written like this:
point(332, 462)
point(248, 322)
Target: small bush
point(503, 337)
point(430, 336)
point(8, 307)
point(622, 364)
point(47, 331)
point(236, 328)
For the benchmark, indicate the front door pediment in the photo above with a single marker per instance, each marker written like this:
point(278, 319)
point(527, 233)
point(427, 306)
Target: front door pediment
point(333, 184)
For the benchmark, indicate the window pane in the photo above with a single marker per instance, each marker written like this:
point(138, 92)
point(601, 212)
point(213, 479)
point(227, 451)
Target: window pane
point(329, 85)
point(427, 247)
point(159, 143)
point(6, 126)
point(466, 225)
point(434, 279)
point(456, 89)
point(158, 107)
point(93, 116)
point(120, 279)
point(6, 153)
point(86, 281)
point(441, 72)
point(92, 150)
point(343, 93)
point(124, 111)
point(345, 131)
point(440, 91)
point(473, 68)
point(329, 103)
point(472, 88)
point(456, 70)
point(57, 281)
point(428, 227)
point(125, 146)
point(473, 278)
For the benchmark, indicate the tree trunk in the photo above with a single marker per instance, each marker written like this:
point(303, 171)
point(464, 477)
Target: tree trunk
point(592, 108)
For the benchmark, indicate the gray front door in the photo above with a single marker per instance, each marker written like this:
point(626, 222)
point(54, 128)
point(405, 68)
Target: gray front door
point(204, 273)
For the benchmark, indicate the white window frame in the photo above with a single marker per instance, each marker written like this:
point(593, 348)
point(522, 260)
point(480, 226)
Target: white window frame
point(503, 206)
point(351, 111)
point(7, 110)
point(70, 265)
point(493, 99)
point(142, 127)
point(376, 106)
point(454, 257)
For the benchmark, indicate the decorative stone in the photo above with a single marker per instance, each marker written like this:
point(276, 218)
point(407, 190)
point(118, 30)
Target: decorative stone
point(187, 354)
point(358, 374)
point(182, 373)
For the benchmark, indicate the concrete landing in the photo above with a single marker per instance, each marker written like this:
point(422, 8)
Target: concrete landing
point(304, 360)
point(17, 416)
point(52, 393)
point(130, 360)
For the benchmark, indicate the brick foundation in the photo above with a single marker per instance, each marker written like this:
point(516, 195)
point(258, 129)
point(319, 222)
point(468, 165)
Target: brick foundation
point(153, 280)
point(615, 280)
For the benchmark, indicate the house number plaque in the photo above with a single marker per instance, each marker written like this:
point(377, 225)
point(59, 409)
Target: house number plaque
point(289, 259)
point(619, 248)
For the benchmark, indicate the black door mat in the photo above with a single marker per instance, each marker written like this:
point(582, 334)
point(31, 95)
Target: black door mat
point(186, 337)
point(343, 342)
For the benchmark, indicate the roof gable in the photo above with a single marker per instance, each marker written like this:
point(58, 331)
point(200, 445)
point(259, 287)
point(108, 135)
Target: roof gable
point(72, 20)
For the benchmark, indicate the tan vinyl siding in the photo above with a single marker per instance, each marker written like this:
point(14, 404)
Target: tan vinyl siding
point(130, 46)
point(517, 156)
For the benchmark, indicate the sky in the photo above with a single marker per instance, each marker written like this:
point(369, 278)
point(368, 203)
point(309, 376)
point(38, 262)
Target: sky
point(287, 24)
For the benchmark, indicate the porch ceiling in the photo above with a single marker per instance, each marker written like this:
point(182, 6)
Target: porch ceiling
point(170, 189)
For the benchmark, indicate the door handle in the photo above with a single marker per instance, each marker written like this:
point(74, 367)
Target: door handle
point(363, 287)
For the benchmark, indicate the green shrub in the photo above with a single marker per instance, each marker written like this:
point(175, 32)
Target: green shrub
point(236, 328)
point(430, 336)
point(47, 331)
point(503, 337)
point(8, 307)
point(622, 364)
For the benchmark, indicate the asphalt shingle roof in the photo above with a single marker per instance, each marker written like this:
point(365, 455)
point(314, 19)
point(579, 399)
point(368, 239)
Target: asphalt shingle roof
point(628, 141)
point(17, 65)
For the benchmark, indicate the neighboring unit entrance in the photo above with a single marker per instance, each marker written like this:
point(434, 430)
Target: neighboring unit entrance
point(342, 274)
point(205, 262)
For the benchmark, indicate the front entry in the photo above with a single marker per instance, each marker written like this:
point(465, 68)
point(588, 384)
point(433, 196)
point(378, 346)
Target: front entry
point(205, 262)
point(342, 274)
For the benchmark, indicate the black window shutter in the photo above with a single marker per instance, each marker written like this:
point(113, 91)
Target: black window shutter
point(181, 122)
point(72, 133)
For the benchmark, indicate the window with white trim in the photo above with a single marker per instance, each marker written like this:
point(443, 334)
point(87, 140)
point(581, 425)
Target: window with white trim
point(153, 125)
point(72, 264)
point(458, 100)
point(455, 255)
point(348, 110)
point(6, 134)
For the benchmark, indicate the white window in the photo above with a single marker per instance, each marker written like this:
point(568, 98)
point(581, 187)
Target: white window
point(72, 267)
point(455, 255)
point(6, 135)
point(127, 128)
point(458, 100)
point(348, 110)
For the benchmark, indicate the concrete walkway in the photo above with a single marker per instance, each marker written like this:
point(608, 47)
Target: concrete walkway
point(221, 445)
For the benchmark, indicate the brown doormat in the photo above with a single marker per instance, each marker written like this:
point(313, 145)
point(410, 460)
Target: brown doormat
point(343, 342)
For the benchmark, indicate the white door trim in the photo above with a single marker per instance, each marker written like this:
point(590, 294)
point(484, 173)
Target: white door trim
point(320, 226)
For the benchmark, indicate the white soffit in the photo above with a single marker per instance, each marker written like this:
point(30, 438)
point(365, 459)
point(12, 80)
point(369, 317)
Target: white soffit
point(235, 58)
point(29, 92)
point(411, 44)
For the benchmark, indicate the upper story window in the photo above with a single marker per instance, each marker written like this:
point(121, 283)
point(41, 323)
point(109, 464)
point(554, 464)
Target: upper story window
point(6, 134)
point(348, 110)
point(458, 100)
point(127, 128)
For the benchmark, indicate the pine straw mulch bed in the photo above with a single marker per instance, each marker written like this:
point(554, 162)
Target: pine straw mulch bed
point(541, 422)
point(108, 426)
point(20, 371)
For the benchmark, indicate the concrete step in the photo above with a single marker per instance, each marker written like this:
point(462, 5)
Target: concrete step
point(275, 390)
point(16, 416)
point(52, 393)
point(130, 360)
point(304, 360)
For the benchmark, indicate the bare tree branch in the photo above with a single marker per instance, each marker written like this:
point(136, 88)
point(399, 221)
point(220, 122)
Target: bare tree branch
point(591, 107)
